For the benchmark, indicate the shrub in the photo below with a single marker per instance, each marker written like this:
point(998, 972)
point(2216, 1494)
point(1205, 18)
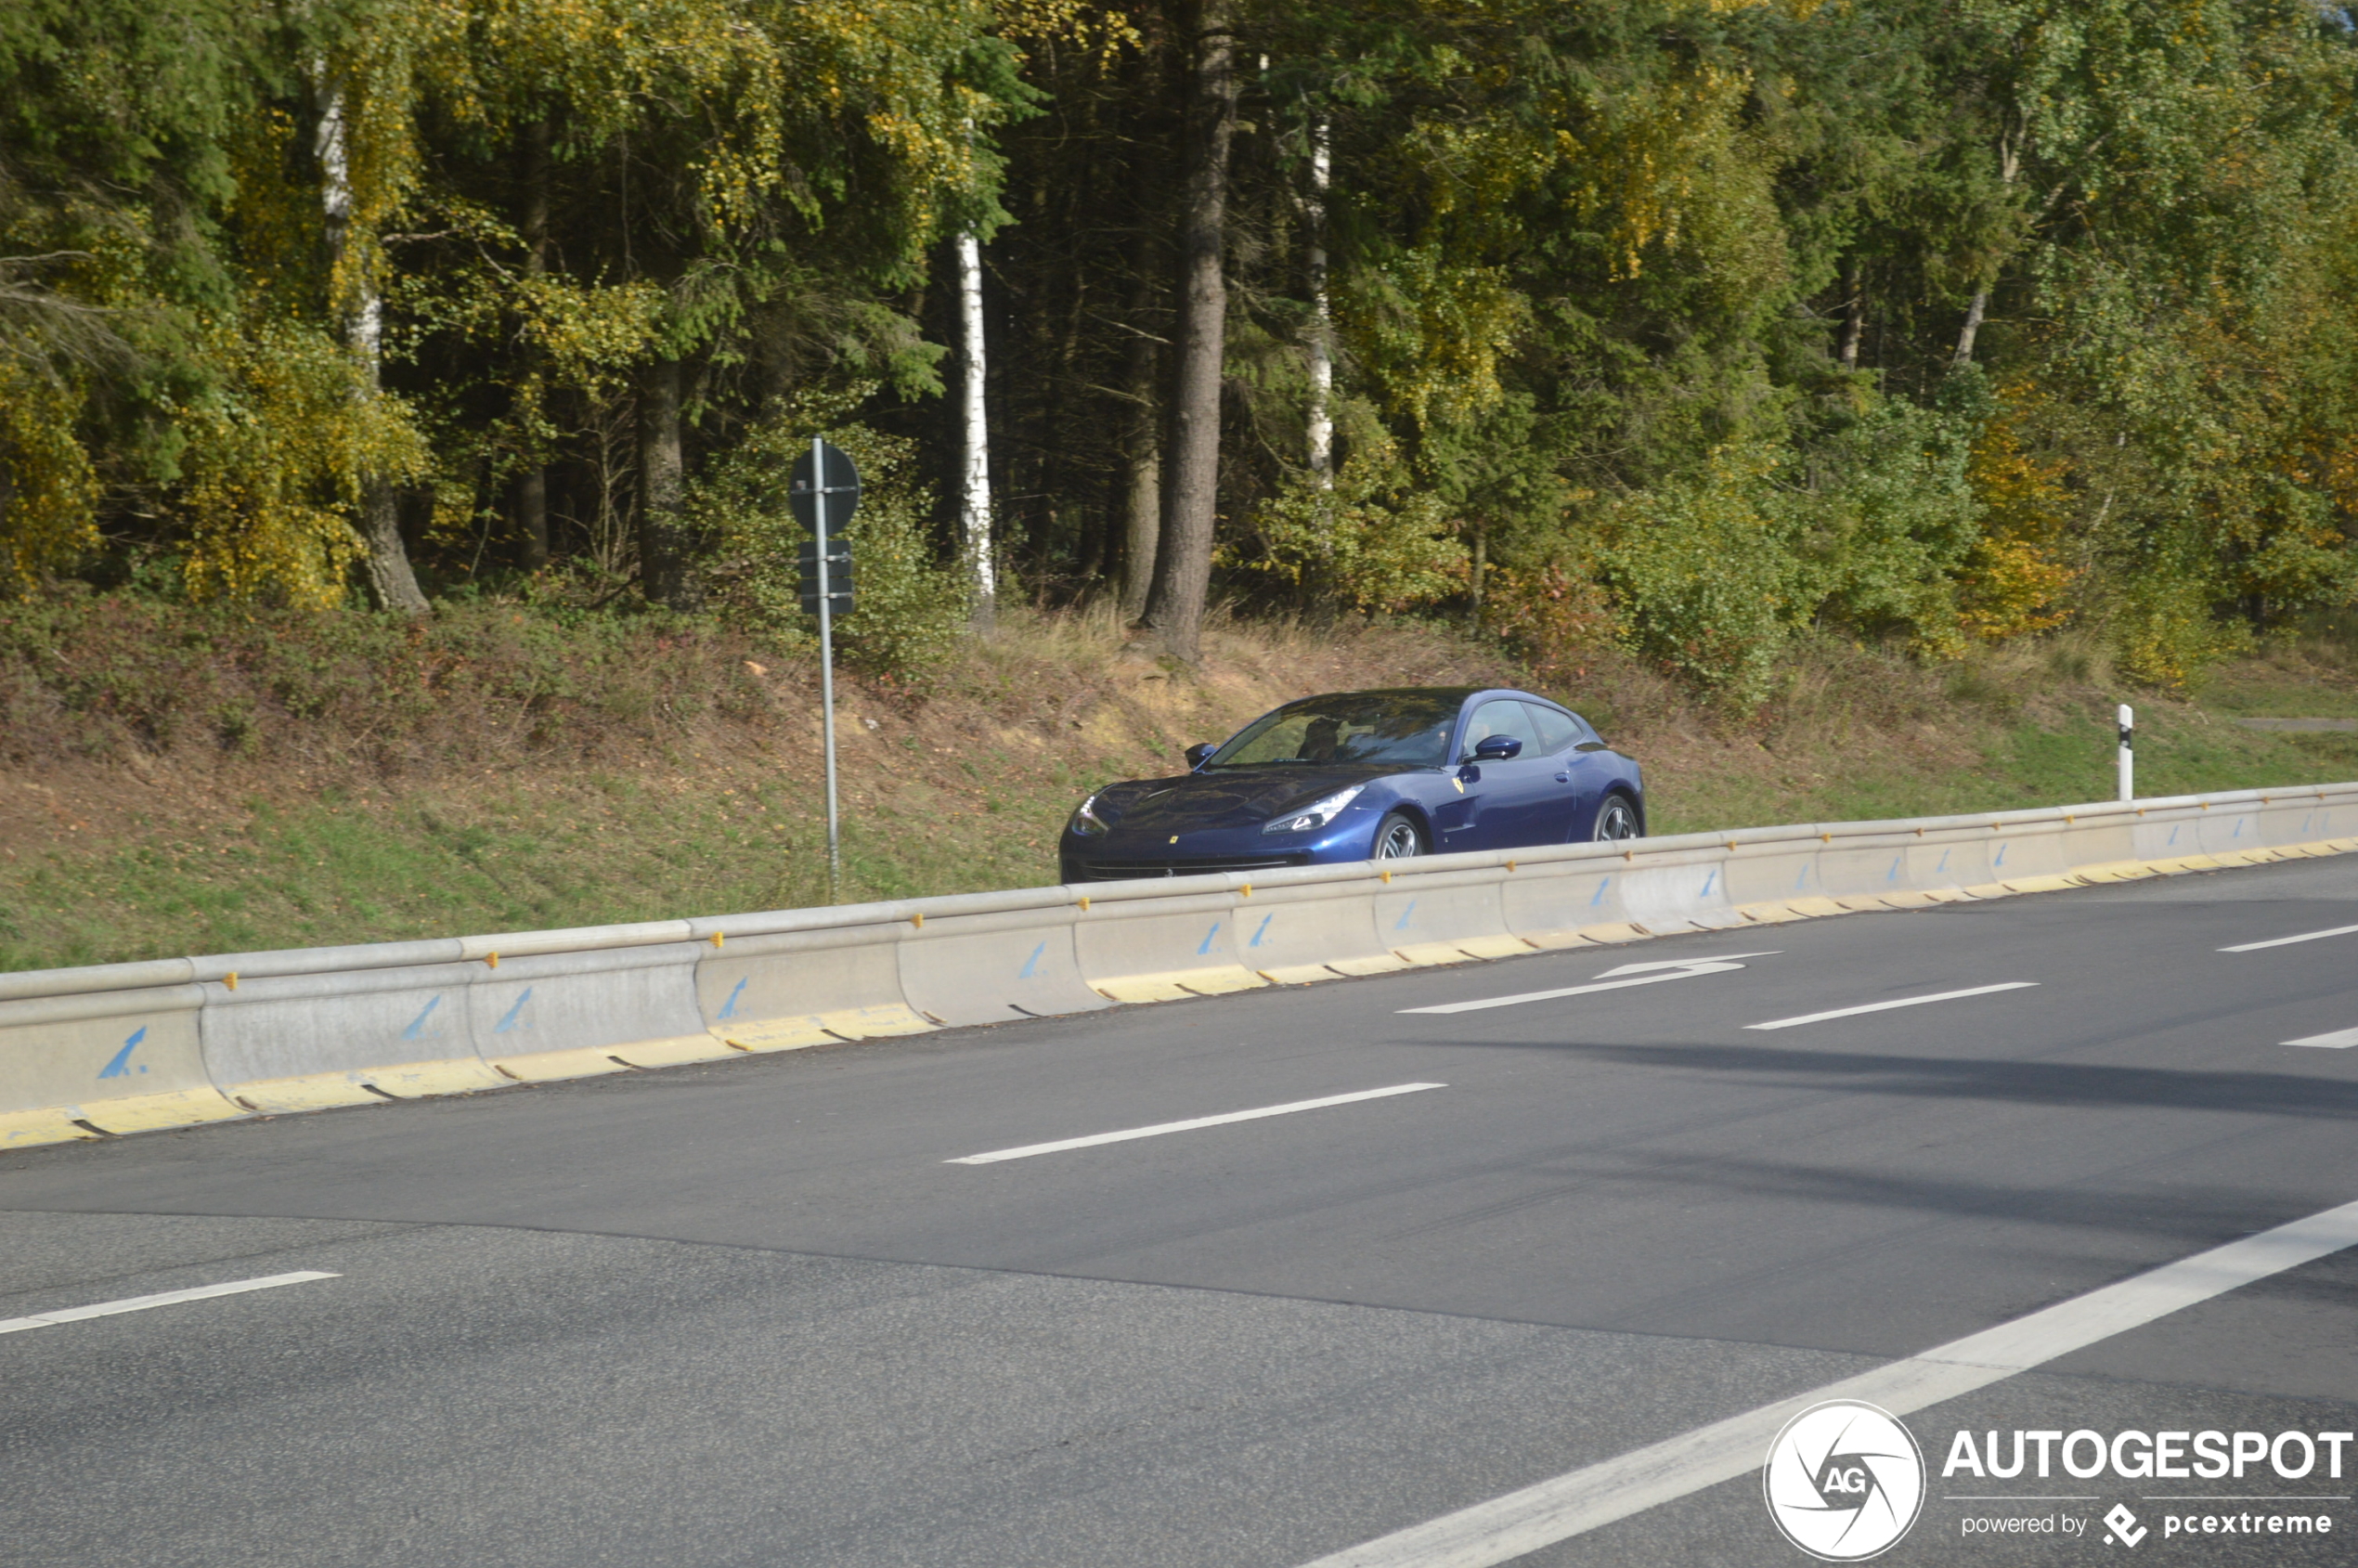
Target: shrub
point(1373, 541)
point(1707, 580)
point(912, 612)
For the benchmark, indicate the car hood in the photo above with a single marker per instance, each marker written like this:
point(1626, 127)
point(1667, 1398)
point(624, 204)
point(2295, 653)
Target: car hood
point(1231, 798)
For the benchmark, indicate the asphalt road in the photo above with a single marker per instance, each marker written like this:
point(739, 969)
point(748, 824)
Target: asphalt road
point(755, 1313)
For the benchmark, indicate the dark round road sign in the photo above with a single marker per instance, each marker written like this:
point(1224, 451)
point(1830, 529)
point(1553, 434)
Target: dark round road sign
point(841, 487)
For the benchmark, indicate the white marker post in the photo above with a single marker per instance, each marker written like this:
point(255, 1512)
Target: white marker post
point(2128, 752)
point(827, 659)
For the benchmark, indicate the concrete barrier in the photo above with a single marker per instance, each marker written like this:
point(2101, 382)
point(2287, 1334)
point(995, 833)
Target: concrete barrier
point(569, 1015)
point(1302, 926)
point(342, 1037)
point(1159, 946)
point(994, 966)
point(82, 1065)
point(129, 1047)
point(1443, 910)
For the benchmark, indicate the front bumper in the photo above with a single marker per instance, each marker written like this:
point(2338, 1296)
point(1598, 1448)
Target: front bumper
point(1116, 867)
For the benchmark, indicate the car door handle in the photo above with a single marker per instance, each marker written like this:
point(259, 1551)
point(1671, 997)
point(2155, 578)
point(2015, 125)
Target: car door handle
point(1563, 778)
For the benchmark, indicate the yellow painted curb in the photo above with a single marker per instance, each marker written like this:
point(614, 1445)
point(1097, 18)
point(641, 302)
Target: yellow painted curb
point(24, 1129)
point(542, 1067)
point(148, 1113)
point(1372, 964)
point(1219, 981)
point(1297, 974)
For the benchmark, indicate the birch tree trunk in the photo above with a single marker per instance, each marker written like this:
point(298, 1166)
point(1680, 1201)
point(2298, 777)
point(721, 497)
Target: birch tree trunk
point(1183, 562)
point(391, 582)
point(974, 485)
point(1853, 312)
point(2009, 166)
point(1322, 323)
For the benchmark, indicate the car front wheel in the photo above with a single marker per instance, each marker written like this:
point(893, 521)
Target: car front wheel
point(1616, 819)
point(1397, 838)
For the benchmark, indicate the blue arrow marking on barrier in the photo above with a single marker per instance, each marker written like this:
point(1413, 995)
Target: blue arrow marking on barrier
point(120, 1066)
point(2239, 829)
point(1708, 882)
point(1893, 874)
point(1260, 930)
point(1206, 946)
point(1943, 866)
point(2306, 821)
point(1028, 964)
point(1801, 878)
point(2001, 856)
point(728, 1008)
point(504, 1025)
point(1402, 924)
point(1599, 897)
point(2173, 838)
point(417, 1024)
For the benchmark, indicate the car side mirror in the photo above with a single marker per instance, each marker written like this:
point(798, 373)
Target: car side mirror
point(1199, 754)
point(1496, 748)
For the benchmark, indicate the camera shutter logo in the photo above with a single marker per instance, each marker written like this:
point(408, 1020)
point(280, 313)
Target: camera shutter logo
point(1844, 1480)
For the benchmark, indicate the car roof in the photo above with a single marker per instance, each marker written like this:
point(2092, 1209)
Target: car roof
point(1462, 695)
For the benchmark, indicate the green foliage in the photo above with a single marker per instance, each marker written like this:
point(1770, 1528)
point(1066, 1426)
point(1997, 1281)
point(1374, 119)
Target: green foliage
point(1887, 525)
point(280, 450)
point(1375, 540)
point(1712, 263)
point(1709, 578)
point(911, 613)
point(47, 490)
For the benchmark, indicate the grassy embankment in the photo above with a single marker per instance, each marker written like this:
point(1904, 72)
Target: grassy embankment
point(176, 781)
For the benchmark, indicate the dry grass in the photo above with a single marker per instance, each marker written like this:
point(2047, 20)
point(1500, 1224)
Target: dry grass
point(175, 784)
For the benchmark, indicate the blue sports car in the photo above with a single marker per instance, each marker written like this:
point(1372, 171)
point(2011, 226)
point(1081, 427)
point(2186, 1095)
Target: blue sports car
point(1361, 776)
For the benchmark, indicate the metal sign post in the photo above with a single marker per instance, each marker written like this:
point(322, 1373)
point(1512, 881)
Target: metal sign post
point(829, 472)
point(826, 672)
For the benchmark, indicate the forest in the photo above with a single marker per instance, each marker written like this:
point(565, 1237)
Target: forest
point(1694, 325)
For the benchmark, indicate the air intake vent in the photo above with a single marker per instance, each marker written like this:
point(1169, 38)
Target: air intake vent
point(1123, 871)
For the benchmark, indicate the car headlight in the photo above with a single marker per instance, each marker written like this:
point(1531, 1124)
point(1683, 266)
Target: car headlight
point(1318, 814)
point(1085, 820)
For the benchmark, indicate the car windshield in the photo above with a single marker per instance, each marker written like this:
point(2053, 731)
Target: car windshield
point(1405, 729)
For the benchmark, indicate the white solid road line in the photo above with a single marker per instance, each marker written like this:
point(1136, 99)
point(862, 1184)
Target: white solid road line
point(1888, 1006)
point(1507, 1527)
point(1659, 970)
point(1161, 1128)
point(2340, 1041)
point(2286, 942)
point(162, 1298)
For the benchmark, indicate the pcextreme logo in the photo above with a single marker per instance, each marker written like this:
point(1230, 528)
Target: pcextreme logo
point(1844, 1480)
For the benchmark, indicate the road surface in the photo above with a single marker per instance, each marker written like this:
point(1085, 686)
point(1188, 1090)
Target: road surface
point(774, 1310)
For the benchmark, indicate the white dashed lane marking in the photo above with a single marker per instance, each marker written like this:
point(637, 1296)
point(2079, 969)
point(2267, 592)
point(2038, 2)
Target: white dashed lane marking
point(162, 1298)
point(1094, 1139)
point(1888, 1006)
point(1639, 974)
point(2288, 941)
point(1520, 1523)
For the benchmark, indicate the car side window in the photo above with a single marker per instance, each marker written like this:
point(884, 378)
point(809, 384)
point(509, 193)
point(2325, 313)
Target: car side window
point(1557, 731)
point(1504, 717)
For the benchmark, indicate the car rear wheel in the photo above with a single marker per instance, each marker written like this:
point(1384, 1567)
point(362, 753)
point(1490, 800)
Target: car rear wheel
point(1397, 838)
point(1616, 819)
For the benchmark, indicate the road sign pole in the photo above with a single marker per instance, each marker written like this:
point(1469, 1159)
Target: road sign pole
point(827, 663)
